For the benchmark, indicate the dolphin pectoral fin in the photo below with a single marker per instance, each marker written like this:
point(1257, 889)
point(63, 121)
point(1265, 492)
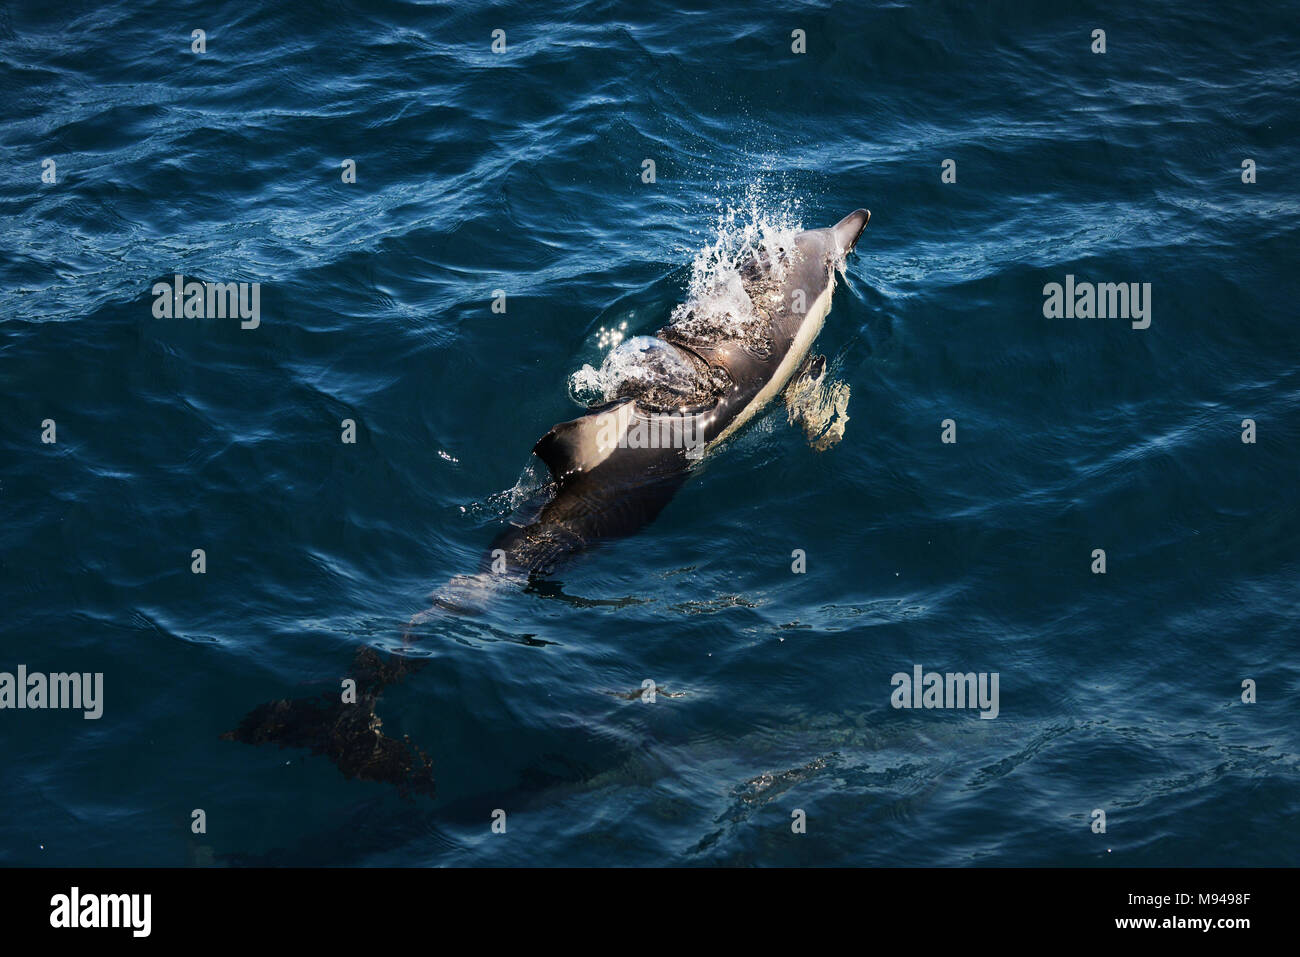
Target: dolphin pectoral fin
point(347, 733)
point(803, 382)
point(817, 404)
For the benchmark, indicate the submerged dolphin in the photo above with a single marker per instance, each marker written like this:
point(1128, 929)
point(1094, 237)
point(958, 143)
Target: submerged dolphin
point(678, 395)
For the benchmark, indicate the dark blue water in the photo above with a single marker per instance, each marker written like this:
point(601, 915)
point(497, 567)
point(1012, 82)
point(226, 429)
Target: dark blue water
point(521, 172)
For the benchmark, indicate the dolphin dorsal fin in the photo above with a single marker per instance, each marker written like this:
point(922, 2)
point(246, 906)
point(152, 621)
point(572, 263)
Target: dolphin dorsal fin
point(581, 444)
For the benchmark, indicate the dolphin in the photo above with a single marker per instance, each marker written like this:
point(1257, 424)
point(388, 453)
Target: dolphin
point(676, 397)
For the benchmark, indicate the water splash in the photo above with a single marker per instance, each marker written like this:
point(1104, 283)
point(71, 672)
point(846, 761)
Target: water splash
point(718, 301)
point(533, 481)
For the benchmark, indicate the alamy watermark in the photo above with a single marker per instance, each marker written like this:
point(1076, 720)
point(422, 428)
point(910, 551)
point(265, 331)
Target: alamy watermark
point(208, 300)
point(930, 689)
point(655, 431)
point(78, 691)
point(1103, 300)
point(76, 909)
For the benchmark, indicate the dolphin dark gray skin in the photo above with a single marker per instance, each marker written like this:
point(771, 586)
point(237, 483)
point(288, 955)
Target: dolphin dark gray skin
point(686, 390)
point(617, 466)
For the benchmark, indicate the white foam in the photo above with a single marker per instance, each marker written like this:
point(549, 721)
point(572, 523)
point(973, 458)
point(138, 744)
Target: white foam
point(716, 294)
point(531, 481)
point(716, 303)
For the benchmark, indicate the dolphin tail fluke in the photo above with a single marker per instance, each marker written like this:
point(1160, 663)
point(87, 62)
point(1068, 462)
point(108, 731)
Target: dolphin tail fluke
point(348, 733)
